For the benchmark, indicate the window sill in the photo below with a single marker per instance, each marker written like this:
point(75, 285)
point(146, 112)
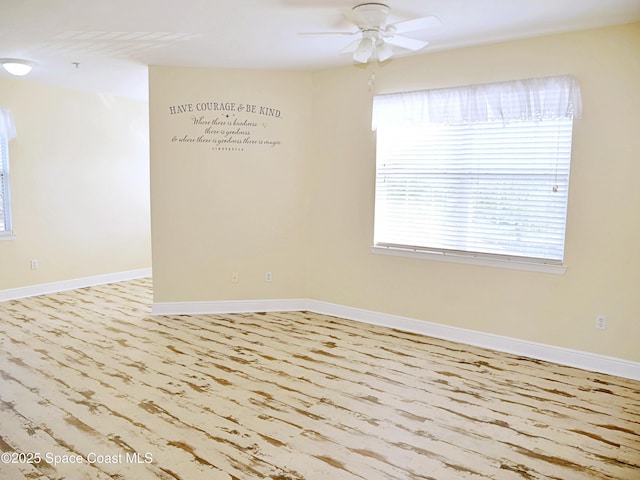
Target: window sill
point(470, 259)
point(7, 236)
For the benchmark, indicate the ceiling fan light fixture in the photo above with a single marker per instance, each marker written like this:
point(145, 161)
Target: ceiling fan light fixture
point(383, 51)
point(16, 67)
point(364, 50)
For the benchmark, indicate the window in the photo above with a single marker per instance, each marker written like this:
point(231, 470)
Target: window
point(7, 131)
point(476, 172)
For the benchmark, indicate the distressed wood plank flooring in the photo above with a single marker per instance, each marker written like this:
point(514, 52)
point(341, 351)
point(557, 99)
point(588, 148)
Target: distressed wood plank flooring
point(100, 389)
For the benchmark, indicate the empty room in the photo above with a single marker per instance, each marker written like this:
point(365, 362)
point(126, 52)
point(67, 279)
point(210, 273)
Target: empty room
point(320, 239)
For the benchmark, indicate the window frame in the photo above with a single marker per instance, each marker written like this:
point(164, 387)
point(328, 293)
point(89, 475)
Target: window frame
point(413, 102)
point(6, 229)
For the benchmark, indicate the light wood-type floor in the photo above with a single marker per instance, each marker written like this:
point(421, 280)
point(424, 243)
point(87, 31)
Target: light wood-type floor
point(94, 387)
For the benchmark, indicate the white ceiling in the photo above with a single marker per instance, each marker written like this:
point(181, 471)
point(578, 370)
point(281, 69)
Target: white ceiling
point(113, 41)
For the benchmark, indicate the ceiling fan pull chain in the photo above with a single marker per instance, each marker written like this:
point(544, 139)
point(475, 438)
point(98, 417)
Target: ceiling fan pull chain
point(372, 76)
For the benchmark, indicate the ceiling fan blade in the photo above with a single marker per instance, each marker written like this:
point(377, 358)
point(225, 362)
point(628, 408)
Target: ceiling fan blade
point(423, 23)
point(406, 42)
point(351, 47)
point(328, 33)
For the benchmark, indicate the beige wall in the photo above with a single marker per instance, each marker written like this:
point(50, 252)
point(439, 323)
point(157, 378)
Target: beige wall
point(79, 184)
point(219, 212)
point(602, 254)
point(305, 211)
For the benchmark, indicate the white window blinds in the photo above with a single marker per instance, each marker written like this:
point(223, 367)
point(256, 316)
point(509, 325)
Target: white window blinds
point(481, 170)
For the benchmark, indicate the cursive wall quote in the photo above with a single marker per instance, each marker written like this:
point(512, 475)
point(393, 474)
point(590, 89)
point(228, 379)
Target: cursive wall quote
point(227, 126)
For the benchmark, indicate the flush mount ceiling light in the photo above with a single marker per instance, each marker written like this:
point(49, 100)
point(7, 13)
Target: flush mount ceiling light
point(16, 67)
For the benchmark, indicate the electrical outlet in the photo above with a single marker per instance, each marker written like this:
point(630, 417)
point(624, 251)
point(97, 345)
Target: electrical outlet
point(601, 322)
point(268, 277)
point(34, 264)
point(235, 278)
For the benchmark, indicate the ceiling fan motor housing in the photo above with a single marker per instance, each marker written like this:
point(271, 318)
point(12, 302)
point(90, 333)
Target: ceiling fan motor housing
point(371, 15)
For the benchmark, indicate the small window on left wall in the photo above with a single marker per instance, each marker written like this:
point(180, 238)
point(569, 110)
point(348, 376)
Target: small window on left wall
point(7, 132)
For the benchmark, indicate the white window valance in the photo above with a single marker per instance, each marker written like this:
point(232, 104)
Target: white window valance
point(7, 127)
point(520, 100)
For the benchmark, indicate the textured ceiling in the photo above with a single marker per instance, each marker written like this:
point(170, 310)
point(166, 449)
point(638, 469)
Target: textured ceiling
point(106, 45)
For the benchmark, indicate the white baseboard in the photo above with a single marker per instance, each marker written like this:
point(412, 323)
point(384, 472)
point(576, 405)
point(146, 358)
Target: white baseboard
point(563, 356)
point(54, 287)
point(229, 306)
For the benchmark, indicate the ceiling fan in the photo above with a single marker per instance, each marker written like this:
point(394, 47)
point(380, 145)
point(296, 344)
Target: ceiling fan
point(377, 37)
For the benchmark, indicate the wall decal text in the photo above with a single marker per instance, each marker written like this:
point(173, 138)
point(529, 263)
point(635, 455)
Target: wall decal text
point(226, 126)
